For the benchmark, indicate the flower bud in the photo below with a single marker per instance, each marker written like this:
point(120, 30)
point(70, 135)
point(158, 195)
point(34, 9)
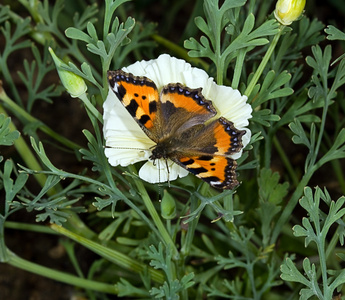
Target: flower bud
point(74, 84)
point(288, 11)
point(168, 206)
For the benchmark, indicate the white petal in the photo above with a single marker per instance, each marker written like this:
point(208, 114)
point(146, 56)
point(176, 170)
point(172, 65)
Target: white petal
point(126, 141)
point(166, 69)
point(158, 172)
point(228, 102)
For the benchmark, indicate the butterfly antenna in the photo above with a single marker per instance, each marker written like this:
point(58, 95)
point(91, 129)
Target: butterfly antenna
point(126, 148)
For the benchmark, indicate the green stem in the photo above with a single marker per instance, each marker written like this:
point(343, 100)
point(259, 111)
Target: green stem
point(23, 264)
point(188, 241)
point(3, 250)
point(26, 153)
point(322, 126)
point(29, 227)
point(284, 217)
point(111, 255)
point(285, 160)
point(154, 215)
point(16, 109)
point(91, 108)
point(238, 68)
point(323, 265)
point(264, 62)
point(32, 163)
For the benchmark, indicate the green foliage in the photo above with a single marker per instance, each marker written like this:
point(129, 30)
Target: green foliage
point(57, 207)
point(11, 187)
point(315, 229)
point(226, 17)
point(184, 240)
point(171, 288)
point(7, 137)
point(34, 83)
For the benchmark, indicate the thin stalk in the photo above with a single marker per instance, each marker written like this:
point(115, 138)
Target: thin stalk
point(29, 227)
point(3, 250)
point(323, 265)
point(238, 68)
point(285, 160)
point(27, 155)
point(111, 255)
point(91, 108)
point(264, 62)
point(322, 127)
point(268, 150)
point(284, 217)
point(154, 215)
point(188, 238)
point(23, 264)
point(16, 109)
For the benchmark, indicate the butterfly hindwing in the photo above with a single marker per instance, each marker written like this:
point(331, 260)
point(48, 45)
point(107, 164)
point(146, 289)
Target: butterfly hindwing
point(208, 151)
point(218, 171)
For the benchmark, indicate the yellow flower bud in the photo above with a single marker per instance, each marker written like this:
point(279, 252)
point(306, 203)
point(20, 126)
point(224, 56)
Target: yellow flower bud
point(288, 11)
point(74, 84)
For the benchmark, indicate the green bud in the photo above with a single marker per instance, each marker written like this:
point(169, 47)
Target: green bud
point(168, 206)
point(74, 84)
point(288, 11)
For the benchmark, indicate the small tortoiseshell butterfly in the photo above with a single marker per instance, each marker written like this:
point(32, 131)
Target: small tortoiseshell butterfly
point(178, 120)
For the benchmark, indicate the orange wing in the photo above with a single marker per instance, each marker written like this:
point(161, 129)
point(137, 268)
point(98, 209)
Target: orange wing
point(207, 153)
point(218, 171)
point(139, 95)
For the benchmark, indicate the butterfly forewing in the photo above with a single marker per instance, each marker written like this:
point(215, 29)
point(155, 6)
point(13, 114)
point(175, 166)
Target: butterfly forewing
point(183, 108)
point(140, 97)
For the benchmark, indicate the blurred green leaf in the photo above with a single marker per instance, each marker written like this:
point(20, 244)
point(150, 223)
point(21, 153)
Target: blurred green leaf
point(7, 137)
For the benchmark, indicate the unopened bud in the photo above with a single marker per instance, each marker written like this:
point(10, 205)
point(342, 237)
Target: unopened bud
point(74, 84)
point(288, 11)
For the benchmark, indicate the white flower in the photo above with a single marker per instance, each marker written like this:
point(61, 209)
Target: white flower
point(127, 143)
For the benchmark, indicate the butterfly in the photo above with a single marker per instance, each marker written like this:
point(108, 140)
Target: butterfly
point(180, 121)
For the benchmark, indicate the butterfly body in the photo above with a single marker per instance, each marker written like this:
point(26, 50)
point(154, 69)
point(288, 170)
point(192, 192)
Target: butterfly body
point(181, 122)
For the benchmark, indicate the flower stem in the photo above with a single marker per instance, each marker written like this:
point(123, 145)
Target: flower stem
point(29, 227)
point(3, 250)
point(91, 108)
point(155, 217)
point(290, 206)
point(238, 68)
point(264, 62)
point(111, 255)
point(16, 109)
point(23, 264)
point(285, 160)
point(26, 154)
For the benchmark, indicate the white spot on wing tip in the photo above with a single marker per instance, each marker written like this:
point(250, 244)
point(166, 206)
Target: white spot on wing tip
point(115, 88)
